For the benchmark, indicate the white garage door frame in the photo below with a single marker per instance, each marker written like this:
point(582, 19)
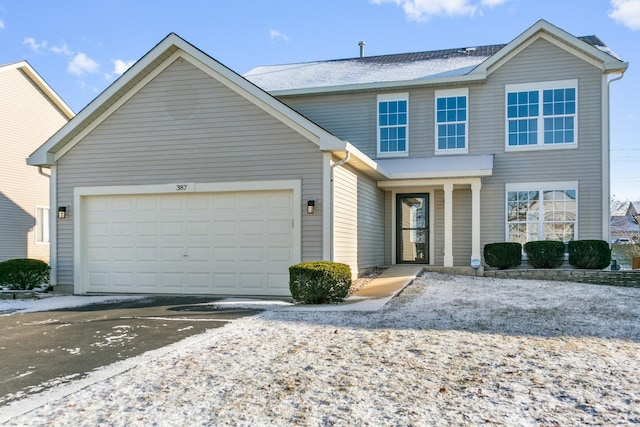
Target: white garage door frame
point(80, 194)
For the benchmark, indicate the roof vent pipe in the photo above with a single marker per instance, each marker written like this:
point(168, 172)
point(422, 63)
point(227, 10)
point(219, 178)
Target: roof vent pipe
point(361, 44)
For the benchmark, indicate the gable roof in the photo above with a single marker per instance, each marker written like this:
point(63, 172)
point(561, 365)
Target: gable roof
point(634, 208)
point(423, 68)
point(149, 66)
point(41, 84)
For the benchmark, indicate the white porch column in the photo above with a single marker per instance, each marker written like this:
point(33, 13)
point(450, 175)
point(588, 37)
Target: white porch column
point(475, 219)
point(448, 224)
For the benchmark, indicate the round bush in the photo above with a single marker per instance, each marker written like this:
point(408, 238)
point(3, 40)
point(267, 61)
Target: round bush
point(23, 273)
point(592, 254)
point(503, 255)
point(319, 282)
point(545, 253)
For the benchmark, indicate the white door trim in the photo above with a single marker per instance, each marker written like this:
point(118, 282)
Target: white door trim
point(81, 193)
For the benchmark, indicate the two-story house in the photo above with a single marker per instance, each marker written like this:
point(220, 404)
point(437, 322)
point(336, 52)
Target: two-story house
point(184, 176)
point(30, 112)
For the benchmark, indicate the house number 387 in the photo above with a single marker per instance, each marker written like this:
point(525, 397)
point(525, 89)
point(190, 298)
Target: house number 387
point(181, 187)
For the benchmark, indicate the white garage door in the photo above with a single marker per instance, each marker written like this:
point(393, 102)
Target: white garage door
point(237, 243)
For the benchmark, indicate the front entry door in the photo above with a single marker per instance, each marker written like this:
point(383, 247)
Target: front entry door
point(412, 228)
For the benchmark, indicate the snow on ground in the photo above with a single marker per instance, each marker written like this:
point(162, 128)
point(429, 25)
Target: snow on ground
point(46, 302)
point(449, 350)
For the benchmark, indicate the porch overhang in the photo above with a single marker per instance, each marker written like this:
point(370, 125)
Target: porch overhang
point(437, 167)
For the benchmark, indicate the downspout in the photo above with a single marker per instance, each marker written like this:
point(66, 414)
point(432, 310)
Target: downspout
point(42, 173)
point(606, 152)
point(343, 161)
point(332, 197)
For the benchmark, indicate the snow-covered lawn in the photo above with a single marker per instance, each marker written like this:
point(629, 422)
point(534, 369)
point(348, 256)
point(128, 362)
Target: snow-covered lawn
point(449, 350)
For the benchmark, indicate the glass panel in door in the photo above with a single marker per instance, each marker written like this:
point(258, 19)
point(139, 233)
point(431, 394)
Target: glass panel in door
point(412, 216)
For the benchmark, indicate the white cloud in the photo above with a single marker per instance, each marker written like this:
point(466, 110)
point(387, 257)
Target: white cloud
point(277, 35)
point(626, 12)
point(61, 50)
point(1, 24)
point(422, 10)
point(81, 64)
point(34, 45)
point(493, 3)
point(120, 66)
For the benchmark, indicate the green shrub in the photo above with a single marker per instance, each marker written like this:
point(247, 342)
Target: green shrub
point(593, 254)
point(24, 273)
point(319, 282)
point(503, 255)
point(545, 253)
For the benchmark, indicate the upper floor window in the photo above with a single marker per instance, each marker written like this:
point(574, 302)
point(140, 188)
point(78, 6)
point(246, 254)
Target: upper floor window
point(42, 225)
point(451, 121)
point(393, 124)
point(542, 211)
point(542, 115)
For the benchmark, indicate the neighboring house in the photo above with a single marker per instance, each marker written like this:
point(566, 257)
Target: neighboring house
point(30, 112)
point(185, 177)
point(624, 227)
point(634, 211)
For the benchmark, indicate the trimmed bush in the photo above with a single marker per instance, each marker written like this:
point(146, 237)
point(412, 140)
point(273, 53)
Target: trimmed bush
point(592, 254)
point(503, 255)
point(319, 282)
point(23, 274)
point(545, 253)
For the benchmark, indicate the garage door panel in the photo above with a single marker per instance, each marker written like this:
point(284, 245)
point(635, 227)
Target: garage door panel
point(208, 243)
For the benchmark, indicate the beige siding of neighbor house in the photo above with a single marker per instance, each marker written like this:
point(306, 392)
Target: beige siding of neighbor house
point(185, 126)
point(27, 119)
point(359, 220)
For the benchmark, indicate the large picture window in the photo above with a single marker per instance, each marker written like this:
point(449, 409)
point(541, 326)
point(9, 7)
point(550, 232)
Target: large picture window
point(542, 212)
point(393, 125)
point(542, 115)
point(451, 121)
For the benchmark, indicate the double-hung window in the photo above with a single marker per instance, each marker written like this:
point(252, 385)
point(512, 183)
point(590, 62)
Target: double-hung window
point(542, 211)
point(542, 115)
point(393, 125)
point(451, 121)
point(42, 225)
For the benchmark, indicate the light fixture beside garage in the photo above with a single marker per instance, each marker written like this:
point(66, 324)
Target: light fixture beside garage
point(62, 212)
point(311, 207)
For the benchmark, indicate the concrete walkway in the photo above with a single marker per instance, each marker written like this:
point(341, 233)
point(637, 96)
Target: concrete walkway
point(374, 295)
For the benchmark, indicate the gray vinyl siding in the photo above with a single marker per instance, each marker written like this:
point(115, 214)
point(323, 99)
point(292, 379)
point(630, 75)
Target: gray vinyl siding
point(359, 220)
point(353, 118)
point(185, 126)
point(27, 119)
point(540, 62)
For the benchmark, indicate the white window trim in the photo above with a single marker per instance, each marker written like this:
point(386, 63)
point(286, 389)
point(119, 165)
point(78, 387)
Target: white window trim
point(520, 87)
point(46, 221)
point(403, 96)
point(447, 93)
point(541, 186)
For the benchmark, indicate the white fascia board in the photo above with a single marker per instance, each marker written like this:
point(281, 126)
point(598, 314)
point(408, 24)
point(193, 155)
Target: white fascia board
point(243, 87)
point(42, 156)
point(405, 84)
point(558, 37)
point(60, 143)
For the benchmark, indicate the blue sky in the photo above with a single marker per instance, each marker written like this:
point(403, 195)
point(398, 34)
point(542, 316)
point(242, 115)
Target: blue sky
point(80, 47)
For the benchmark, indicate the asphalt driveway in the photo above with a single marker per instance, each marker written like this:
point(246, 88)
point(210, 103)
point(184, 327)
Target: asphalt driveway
point(45, 349)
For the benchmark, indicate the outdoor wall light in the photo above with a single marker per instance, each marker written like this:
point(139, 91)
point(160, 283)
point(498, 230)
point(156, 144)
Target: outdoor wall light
point(62, 212)
point(311, 207)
